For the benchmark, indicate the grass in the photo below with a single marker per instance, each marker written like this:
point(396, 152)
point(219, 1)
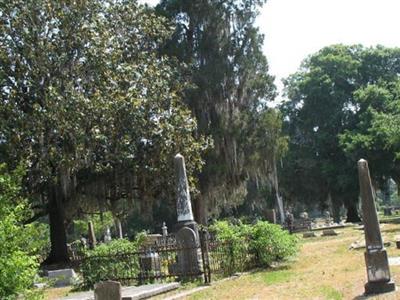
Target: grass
point(324, 269)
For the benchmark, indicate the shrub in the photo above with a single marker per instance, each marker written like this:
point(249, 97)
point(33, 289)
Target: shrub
point(272, 243)
point(249, 245)
point(117, 259)
point(18, 264)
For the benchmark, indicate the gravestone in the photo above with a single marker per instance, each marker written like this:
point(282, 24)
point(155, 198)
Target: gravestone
point(271, 216)
point(164, 230)
point(92, 236)
point(309, 234)
point(107, 235)
point(189, 257)
point(107, 290)
point(62, 277)
point(376, 259)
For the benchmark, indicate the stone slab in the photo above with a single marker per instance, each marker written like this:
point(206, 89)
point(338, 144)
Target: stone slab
point(107, 290)
point(131, 292)
point(62, 277)
point(309, 234)
point(329, 232)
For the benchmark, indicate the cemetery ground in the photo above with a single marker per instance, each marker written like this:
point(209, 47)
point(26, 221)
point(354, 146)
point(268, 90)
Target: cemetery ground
point(325, 268)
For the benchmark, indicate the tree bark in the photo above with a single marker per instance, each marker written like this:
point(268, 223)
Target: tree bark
point(352, 213)
point(200, 210)
point(58, 237)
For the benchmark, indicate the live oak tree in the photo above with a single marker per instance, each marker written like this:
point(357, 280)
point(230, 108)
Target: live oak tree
point(91, 106)
point(219, 42)
point(334, 117)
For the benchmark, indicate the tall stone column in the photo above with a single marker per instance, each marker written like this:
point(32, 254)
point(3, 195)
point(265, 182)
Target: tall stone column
point(187, 232)
point(183, 205)
point(376, 259)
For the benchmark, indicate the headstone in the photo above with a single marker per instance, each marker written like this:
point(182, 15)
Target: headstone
point(107, 235)
point(328, 218)
point(150, 262)
point(164, 229)
point(309, 234)
point(387, 211)
point(92, 236)
point(107, 290)
point(329, 232)
point(271, 216)
point(62, 277)
point(189, 257)
point(376, 259)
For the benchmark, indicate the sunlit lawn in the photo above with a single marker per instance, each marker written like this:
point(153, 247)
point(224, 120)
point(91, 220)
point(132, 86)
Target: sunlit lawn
point(324, 269)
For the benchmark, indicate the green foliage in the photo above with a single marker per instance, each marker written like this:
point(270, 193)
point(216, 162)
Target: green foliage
point(18, 263)
point(272, 243)
point(87, 98)
point(228, 96)
point(100, 224)
point(341, 108)
point(105, 261)
point(267, 241)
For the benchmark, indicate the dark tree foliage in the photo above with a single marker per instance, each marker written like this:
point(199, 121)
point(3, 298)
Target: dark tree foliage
point(91, 106)
point(223, 49)
point(330, 102)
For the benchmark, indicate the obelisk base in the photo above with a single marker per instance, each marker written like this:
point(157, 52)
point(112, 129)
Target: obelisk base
point(191, 224)
point(378, 272)
point(379, 287)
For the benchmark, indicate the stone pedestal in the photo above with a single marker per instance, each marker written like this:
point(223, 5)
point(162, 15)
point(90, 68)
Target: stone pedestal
point(189, 257)
point(378, 272)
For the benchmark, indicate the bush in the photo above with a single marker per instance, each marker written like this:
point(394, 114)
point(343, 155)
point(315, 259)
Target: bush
point(117, 259)
point(250, 245)
point(272, 243)
point(18, 264)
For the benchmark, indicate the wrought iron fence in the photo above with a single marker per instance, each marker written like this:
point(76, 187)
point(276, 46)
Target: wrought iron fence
point(160, 262)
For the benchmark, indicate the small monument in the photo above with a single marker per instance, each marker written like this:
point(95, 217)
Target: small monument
point(376, 259)
point(164, 229)
point(107, 235)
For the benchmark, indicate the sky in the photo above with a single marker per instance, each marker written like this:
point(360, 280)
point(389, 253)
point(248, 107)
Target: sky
point(294, 29)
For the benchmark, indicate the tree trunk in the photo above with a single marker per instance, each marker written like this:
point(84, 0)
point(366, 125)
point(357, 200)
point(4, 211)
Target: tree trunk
point(352, 213)
point(200, 210)
point(336, 205)
point(58, 237)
